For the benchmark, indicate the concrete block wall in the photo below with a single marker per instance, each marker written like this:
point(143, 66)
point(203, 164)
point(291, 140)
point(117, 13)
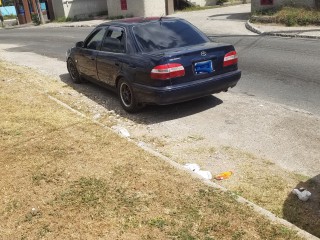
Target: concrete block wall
point(255, 4)
point(83, 8)
point(78, 8)
point(137, 8)
point(154, 8)
point(58, 9)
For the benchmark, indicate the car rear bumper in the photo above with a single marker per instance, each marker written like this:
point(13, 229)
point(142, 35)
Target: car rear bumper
point(186, 91)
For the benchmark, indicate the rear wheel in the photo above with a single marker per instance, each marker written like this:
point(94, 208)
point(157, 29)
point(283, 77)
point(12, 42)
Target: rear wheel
point(127, 98)
point(73, 71)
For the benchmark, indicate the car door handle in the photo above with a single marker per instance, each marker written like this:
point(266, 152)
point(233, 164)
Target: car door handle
point(92, 58)
point(117, 64)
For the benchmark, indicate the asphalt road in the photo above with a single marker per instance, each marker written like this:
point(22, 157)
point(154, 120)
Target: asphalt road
point(281, 70)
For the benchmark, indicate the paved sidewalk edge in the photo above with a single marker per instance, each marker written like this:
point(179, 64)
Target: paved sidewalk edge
point(254, 29)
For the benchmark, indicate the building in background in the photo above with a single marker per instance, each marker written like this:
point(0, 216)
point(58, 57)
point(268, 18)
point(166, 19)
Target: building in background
point(141, 8)
point(24, 9)
point(83, 9)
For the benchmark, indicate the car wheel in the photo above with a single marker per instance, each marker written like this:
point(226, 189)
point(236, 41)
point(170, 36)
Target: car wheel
point(73, 71)
point(127, 98)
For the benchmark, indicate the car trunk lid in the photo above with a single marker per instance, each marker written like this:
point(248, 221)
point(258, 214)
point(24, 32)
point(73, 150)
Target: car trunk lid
point(198, 61)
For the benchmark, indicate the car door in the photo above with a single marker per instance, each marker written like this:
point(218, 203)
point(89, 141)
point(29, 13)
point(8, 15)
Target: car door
point(112, 55)
point(86, 58)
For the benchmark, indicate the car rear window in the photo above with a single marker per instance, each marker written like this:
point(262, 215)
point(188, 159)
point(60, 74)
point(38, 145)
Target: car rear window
point(166, 34)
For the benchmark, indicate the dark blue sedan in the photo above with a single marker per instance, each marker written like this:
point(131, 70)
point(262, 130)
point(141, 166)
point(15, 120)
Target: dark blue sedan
point(153, 61)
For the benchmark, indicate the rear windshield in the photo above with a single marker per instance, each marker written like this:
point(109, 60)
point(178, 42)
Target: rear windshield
point(159, 35)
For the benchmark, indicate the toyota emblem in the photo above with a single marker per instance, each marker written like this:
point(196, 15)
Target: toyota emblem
point(203, 53)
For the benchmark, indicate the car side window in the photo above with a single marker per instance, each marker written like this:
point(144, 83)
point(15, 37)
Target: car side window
point(114, 41)
point(94, 42)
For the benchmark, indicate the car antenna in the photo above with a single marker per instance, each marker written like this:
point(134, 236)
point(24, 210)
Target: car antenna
point(160, 20)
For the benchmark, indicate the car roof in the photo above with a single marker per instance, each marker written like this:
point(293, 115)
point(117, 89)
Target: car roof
point(136, 20)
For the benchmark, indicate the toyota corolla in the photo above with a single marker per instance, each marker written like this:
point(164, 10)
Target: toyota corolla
point(154, 61)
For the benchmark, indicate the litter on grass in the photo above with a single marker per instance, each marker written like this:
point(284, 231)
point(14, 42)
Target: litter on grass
point(302, 194)
point(223, 175)
point(196, 169)
point(122, 131)
point(193, 167)
point(205, 174)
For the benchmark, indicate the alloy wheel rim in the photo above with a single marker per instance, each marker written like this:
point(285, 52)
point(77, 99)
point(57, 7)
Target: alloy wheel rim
point(73, 70)
point(126, 95)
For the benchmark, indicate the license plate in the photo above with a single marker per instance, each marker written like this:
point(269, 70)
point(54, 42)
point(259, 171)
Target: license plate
point(203, 67)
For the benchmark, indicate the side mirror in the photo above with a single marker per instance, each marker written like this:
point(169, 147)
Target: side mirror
point(80, 44)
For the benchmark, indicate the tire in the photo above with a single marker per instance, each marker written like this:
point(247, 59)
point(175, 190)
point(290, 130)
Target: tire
point(127, 98)
point(73, 71)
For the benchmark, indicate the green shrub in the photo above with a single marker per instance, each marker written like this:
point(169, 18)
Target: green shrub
point(64, 19)
point(290, 20)
point(103, 13)
point(221, 2)
point(116, 17)
point(35, 19)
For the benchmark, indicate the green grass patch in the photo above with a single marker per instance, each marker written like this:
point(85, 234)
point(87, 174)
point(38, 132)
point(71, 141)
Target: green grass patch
point(11, 16)
point(64, 19)
point(197, 8)
point(289, 16)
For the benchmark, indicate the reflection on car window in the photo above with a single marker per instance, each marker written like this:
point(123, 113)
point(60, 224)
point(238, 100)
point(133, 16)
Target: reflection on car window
point(160, 35)
point(96, 39)
point(114, 41)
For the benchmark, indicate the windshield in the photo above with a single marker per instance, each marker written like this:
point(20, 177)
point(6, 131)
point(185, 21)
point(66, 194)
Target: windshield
point(159, 35)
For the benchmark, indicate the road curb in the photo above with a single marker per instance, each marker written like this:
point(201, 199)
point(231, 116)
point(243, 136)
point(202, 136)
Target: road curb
point(254, 29)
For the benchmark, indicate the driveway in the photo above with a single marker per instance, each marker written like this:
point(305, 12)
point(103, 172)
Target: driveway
point(220, 21)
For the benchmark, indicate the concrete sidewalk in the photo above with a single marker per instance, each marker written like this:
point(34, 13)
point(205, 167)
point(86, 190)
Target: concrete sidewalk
point(284, 31)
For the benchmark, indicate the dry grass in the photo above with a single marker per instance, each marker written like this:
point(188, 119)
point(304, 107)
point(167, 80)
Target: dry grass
point(64, 177)
point(290, 16)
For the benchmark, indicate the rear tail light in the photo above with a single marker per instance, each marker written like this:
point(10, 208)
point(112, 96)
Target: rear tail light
point(230, 58)
point(167, 71)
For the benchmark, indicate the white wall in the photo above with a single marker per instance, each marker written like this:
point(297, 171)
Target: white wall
point(79, 8)
point(83, 8)
point(154, 8)
point(135, 8)
point(58, 9)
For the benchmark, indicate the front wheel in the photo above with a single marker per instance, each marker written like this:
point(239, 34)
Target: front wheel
point(127, 98)
point(73, 71)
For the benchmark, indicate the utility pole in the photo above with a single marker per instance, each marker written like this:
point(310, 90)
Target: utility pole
point(40, 12)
